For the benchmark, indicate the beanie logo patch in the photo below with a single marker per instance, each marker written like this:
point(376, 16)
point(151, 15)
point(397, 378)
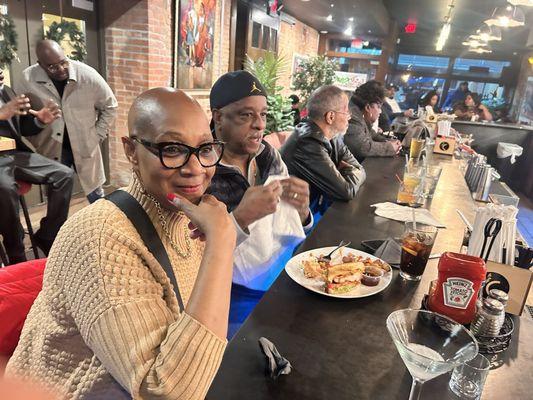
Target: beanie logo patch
point(254, 88)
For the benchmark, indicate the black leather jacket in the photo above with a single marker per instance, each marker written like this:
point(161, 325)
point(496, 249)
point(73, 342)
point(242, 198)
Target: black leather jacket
point(315, 159)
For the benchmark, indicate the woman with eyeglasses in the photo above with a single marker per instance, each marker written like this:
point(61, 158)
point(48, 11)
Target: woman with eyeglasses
point(361, 139)
point(109, 323)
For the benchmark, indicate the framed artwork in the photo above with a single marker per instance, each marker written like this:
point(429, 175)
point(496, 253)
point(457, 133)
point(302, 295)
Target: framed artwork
point(194, 44)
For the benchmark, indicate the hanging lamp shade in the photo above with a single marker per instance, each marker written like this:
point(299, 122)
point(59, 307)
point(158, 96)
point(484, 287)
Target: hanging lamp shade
point(508, 16)
point(473, 42)
point(488, 33)
point(480, 50)
point(526, 3)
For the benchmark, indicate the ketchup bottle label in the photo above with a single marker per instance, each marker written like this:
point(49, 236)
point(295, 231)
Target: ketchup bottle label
point(457, 292)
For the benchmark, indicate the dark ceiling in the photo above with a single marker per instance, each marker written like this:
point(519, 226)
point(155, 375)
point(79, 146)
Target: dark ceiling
point(371, 17)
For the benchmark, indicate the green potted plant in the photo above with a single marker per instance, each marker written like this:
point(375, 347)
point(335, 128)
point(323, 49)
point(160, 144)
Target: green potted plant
point(268, 70)
point(313, 73)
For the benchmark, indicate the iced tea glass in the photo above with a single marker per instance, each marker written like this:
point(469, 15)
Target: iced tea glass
point(416, 248)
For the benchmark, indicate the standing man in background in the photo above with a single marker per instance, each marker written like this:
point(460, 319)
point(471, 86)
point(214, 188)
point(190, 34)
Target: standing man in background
point(89, 110)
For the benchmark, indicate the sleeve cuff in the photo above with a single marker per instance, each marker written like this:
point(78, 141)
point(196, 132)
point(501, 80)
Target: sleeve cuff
point(308, 224)
point(242, 234)
point(38, 123)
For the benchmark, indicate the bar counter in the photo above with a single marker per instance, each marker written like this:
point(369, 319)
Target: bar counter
point(487, 135)
point(340, 348)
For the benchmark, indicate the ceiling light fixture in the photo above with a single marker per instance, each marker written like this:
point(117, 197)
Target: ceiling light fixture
point(488, 33)
point(350, 19)
point(480, 50)
point(445, 31)
point(324, 32)
point(348, 31)
point(508, 16)
point(474, 42)
point(329, 18)
point(526, 3)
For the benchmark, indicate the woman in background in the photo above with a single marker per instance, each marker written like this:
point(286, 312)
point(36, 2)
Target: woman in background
point(471, 109)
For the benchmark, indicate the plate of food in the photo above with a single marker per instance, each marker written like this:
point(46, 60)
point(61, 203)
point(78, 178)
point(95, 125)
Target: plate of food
point(350, 273)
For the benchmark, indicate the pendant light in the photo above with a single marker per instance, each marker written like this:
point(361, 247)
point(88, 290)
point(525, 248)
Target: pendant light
point(488, 33)
point(471, 41)
point(508, 16)
point(526, 3)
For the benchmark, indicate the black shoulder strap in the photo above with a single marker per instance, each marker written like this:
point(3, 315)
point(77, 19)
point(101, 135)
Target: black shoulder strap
point(140, 220)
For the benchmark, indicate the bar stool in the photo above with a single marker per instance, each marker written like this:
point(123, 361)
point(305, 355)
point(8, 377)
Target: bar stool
point(24, 188)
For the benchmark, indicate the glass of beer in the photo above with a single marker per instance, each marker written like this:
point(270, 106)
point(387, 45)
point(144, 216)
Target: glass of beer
point(416, 248)
point(416, 148)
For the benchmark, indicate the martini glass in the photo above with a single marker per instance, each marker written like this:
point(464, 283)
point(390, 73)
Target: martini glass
point(430, 344)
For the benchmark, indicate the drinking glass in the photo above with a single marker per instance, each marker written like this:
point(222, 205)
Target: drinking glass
point(468, 379)
point(416, 148)
point(431, 178)
point(411, 191)
point(416, 248)
point(429, 344)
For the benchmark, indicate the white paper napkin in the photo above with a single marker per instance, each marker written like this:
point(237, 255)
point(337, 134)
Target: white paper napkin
point(404, 214)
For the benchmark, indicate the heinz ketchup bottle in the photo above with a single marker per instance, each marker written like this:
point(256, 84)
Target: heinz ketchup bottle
point(460, 279)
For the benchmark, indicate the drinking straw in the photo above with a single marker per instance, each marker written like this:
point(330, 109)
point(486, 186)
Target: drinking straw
point(467, 223)
point(414, 219)
point(399, 179)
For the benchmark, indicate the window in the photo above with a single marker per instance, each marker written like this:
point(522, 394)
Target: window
point(273, 40)
point(475, 67)
point(266, 37)
point(415, 62)
point(413, 88)
point(256, 32)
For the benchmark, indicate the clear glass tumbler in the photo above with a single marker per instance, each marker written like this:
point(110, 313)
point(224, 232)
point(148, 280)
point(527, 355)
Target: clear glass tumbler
point(469, 378)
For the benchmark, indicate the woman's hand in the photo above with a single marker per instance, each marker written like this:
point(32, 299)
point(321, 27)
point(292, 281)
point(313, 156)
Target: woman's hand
point(209, 219)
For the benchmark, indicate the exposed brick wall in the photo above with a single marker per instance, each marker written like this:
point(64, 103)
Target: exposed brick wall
point(138, 48)
point(295, 39)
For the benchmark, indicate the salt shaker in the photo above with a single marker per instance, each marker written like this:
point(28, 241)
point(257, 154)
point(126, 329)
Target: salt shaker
point(499, 295)
point(489, 318)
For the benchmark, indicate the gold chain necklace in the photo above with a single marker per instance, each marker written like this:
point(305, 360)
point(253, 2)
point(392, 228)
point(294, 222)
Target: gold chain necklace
point(163, 221)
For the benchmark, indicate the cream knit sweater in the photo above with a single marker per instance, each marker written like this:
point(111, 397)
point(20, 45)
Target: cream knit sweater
point(107, 324)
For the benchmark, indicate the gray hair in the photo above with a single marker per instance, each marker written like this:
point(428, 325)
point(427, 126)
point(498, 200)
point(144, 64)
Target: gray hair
point(325, 98)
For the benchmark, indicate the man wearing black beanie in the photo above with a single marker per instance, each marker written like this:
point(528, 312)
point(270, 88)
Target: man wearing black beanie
point(268, 212)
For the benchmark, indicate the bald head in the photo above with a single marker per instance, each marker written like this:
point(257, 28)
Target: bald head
point(156, 108)
point(51, 58)
point(48, 48)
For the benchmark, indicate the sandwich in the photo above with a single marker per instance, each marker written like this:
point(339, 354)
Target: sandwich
point(344, 277)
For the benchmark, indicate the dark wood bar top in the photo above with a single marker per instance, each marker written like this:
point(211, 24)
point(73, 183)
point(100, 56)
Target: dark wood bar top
point(340, 348)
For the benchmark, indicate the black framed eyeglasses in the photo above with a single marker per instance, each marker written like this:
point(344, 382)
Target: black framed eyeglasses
point(175, 155)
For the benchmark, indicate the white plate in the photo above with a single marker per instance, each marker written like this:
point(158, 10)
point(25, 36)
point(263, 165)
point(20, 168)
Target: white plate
point(295, 271)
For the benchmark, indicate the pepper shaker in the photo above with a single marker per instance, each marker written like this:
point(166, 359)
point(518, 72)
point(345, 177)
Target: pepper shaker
point(489, 318)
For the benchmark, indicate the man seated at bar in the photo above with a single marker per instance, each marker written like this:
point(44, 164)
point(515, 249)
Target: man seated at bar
point(365, 108)
point(457, 96)
point(17, 121)
point(107, 323)
point(265, 229)
point(316, 152)
point(391, 109)
point(471, 109)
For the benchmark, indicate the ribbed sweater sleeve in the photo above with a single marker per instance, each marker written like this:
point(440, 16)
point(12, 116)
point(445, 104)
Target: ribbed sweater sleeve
point(152, 350)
